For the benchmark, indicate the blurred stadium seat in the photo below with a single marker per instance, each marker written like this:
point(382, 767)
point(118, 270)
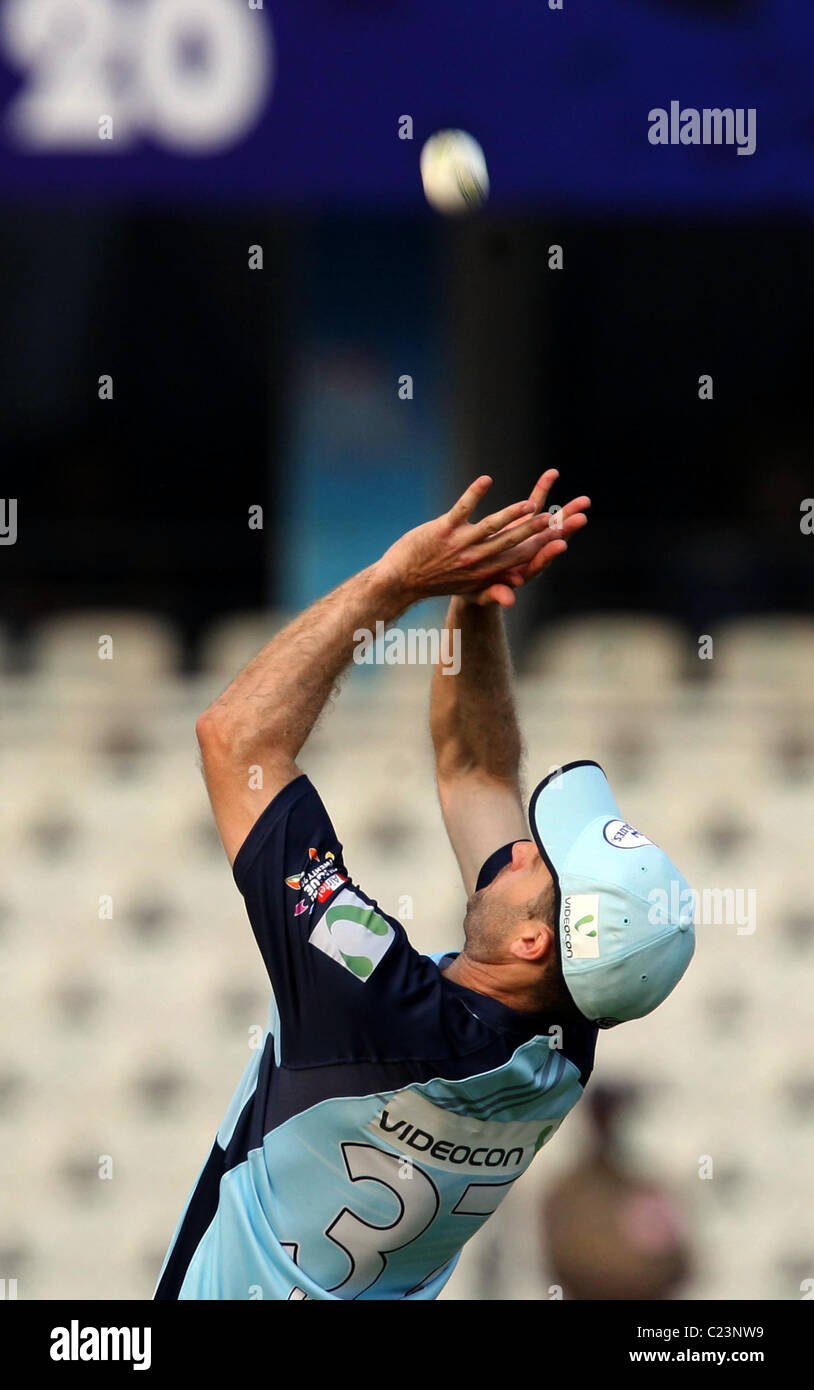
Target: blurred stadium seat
point(766, 652)
point(615, 650)
point(68, 646)
point(125, 1034)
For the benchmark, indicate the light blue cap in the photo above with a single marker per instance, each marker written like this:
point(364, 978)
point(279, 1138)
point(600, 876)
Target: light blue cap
point(625, 913)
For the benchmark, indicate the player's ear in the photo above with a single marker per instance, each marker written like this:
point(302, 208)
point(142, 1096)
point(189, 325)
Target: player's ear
point(533, 942)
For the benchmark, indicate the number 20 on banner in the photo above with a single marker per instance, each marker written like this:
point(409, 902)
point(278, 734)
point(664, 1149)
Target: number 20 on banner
point(191, 75)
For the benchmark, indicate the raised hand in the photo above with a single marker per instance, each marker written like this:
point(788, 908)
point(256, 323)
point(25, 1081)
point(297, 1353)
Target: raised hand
point(453, 555)
point(558, 525)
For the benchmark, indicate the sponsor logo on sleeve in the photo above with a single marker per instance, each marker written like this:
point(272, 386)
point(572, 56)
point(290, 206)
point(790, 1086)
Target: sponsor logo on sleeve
point(353, 933)
point(317, 882)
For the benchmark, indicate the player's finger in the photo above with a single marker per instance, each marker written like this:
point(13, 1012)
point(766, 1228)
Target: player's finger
point(499, 593)
point(518, 555)
point(542, 487)
point(492, 525)
point(529, 555)
point(567, 525)
point(509, 536)
point(520, 518)
point(577, 504)
point(511, 580)
point(570, 525)
point(469, 500)
point(544, 557)
point(557, 517)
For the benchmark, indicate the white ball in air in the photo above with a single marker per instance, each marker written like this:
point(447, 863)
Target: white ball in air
point(453, 172)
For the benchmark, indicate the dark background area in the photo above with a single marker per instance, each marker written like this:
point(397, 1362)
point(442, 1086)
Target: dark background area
point(141, 501)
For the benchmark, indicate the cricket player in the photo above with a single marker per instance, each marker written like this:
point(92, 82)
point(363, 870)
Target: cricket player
point(397, 1097)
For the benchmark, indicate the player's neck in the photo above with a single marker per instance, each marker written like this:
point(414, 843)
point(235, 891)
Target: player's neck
point(501, 982)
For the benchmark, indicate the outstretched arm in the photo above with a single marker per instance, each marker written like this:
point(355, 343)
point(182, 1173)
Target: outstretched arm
point(473, 720)
point(251, 735)
point(477, 741)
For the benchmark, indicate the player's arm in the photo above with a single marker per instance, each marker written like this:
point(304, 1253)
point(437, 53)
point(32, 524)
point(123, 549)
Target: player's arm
point(473, 719)
point(477, 741)
point(251, 736)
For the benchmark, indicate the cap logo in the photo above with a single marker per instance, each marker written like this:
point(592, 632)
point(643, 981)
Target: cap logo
point(580, 926)
point(622, 836)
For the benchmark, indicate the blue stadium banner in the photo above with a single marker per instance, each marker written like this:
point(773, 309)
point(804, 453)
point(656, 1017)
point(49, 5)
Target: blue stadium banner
point(303, 102)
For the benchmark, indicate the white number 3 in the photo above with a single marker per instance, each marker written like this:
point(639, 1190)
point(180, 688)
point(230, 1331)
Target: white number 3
point(366, 1246)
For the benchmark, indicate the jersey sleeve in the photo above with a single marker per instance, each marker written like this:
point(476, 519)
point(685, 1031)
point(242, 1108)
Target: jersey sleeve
point(336, 963)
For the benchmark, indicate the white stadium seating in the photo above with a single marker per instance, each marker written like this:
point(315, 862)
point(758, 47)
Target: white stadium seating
point(124, 1035)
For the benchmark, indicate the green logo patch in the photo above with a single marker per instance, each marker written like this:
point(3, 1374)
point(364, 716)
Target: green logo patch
point(353, 933)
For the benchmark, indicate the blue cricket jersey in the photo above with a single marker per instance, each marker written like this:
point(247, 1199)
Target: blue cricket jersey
point(388, 1110)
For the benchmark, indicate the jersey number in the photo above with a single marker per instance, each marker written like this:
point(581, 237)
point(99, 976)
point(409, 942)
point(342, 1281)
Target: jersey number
point(368, 1246)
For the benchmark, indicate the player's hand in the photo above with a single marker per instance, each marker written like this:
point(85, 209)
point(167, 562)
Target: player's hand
point(560, 523)
point(454, 555)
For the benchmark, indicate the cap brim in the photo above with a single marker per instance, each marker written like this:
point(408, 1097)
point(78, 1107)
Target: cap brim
point(563, 804)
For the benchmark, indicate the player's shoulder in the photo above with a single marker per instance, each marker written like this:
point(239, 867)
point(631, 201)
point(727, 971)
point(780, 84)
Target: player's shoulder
point(285, 830)
point(353, 930)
